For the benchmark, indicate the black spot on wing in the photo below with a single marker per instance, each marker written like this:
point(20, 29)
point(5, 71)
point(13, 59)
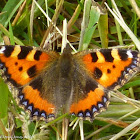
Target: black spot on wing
point(108, 71)
point(16, 63)
point(97, 73)
point(107, 55)
point(94, 57)
point(37, 55)
point(123, 55)
point(8, 50)
point(24, 52)
point(90, 85)
point(113, 66)
point(37, 84)
point(31, 71)
point(20, 68)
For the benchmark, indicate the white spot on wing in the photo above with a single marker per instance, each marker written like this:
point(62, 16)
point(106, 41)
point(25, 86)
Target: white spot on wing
point(129, 54)
point(2, 50)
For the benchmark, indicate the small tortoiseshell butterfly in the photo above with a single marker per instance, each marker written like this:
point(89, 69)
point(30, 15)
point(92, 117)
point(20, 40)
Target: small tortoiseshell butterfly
point(79, 83)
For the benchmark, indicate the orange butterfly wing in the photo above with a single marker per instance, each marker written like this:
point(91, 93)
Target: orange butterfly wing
point(21, 65)
point(108, 69)
point(112, 68)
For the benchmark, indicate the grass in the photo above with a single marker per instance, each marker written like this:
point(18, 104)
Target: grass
point(26, 23)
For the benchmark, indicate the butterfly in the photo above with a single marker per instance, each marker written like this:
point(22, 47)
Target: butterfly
point(79, 83)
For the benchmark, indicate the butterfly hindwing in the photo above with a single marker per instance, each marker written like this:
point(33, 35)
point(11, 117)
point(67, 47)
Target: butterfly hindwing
point(89, 99)
point(32, 101)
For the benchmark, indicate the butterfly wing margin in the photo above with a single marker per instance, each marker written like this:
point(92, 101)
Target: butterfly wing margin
point(92, 100)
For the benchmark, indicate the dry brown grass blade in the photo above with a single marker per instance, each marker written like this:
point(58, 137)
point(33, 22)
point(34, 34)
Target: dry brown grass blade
point(19, 13)
point(54, 19)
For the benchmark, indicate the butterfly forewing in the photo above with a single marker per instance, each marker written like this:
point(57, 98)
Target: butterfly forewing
point(111, 68)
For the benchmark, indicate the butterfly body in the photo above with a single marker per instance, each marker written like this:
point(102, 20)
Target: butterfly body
point(79, 84)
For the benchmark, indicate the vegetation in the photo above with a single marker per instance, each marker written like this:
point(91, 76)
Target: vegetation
point(89, 25)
